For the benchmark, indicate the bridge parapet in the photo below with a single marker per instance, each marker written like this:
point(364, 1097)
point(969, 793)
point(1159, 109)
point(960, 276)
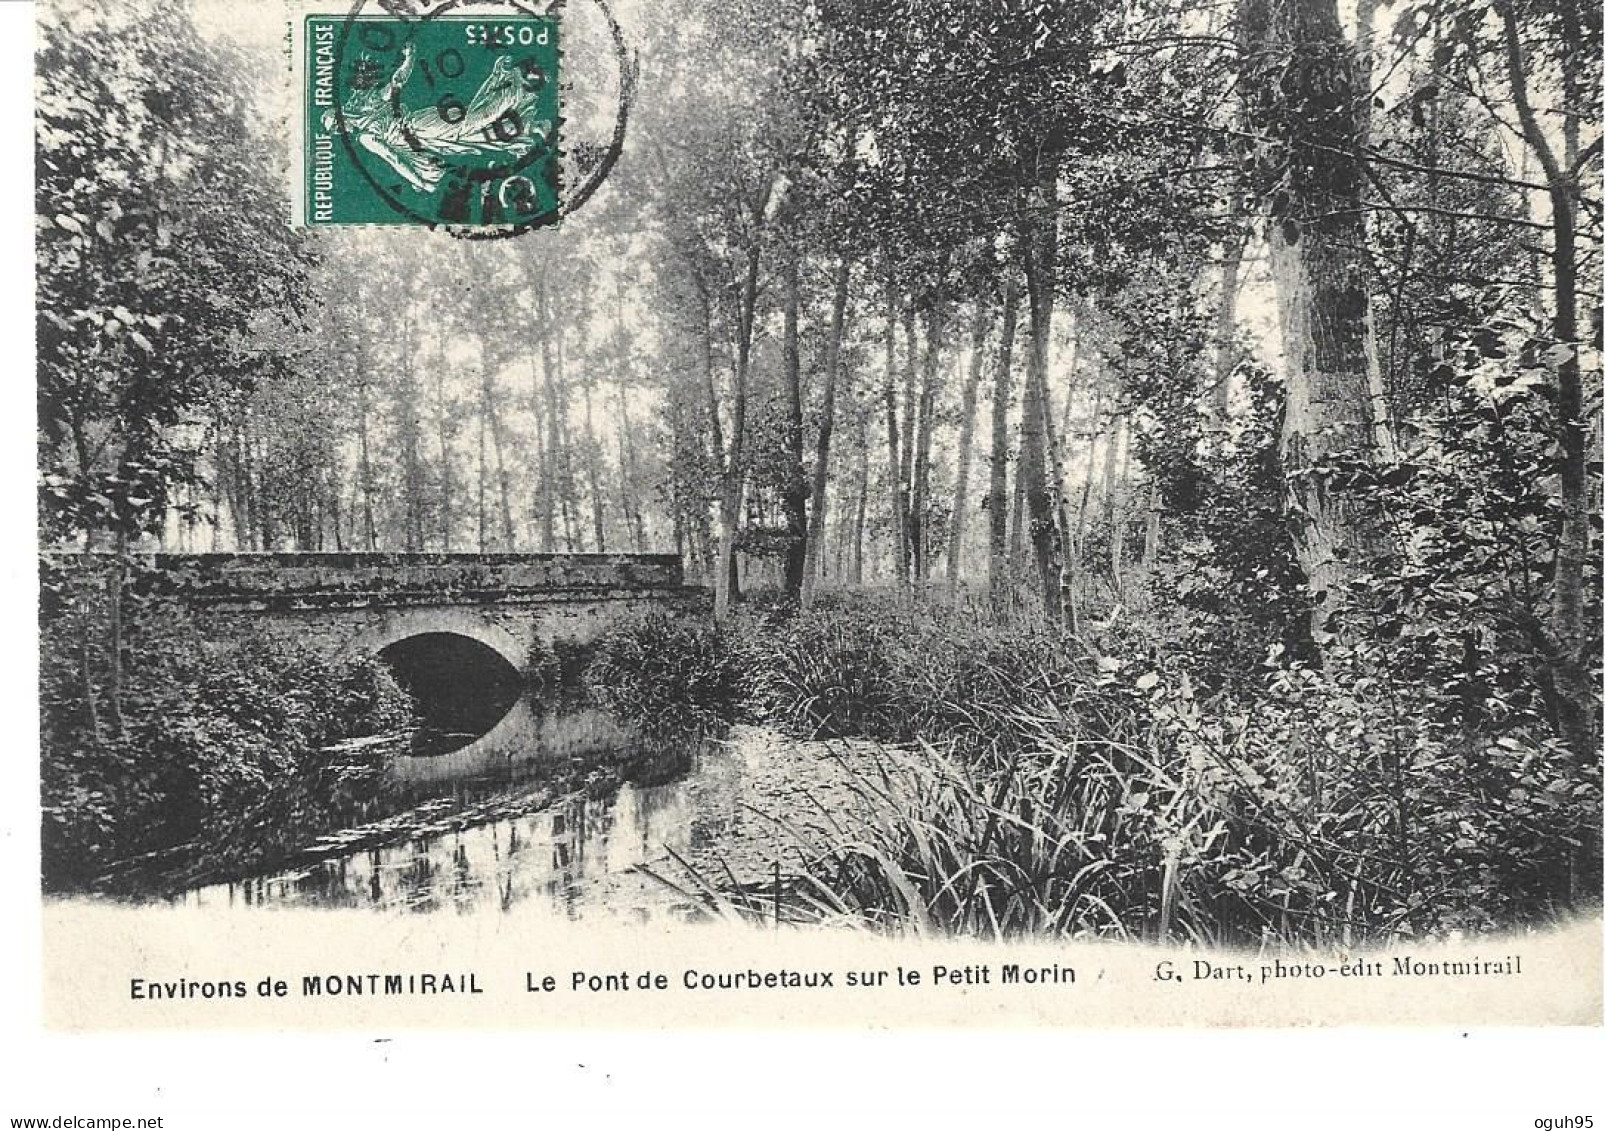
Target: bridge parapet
point(270, 582)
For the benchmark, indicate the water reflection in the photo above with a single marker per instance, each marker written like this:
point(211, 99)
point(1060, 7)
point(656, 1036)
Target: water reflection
point(577, 857)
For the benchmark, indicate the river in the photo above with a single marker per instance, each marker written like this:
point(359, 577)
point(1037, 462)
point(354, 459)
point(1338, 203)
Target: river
point(749, 805)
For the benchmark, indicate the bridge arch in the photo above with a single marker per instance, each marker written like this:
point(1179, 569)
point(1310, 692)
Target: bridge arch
point(402, 624)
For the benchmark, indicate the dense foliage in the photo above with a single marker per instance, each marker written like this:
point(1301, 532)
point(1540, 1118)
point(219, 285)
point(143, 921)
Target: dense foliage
point(197, 752)
point(667, 676)
point(1023, 791)
point(161, 242)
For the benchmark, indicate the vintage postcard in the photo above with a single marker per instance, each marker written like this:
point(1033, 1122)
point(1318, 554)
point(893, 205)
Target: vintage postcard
point(619, 513)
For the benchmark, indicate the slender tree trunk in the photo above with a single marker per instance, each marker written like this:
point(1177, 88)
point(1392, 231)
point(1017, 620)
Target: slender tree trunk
point(442, 430)
point(911, 403)
point(935, 338)
point(370, 534)
point(997, 497)
point(894, 464)
point(727, 585)
point(253, 508)
point(715, 425)
point(1078, 533)
point(827, 425)
point(1041, 252)
point(504, 486)
point(1017, 517)
point(117, 583)
point(1114, 498)
point(1573, 625)
point(794, 497)
point(961, 488)
point(1376, 389)
point(593, 470)
point(543, 500)
point(479, 486)
point(408, 408)
point(1150, 540)
point(1061, 507)
point(861, 513)
point(560, 483)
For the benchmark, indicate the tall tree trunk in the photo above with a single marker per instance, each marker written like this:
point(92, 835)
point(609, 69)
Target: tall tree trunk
point(370, 534)
point(504, 486)
point(715, 425)
point(1040, 253)
point(1077, 537)
point(117, 583)
point(1302, 87)
point(544, 500)
point(961, 487)
point(480, 531)
point(997, 495)
point(794, 498)
point(827, 424)
point(1152, 515)
point(1114, 497)
point(935, 338)
point(1376, 388)
point(727, 584)
point(894, 459)
point(443, 435)
point(1017, 516)
point(1061, 507)
point(593, 469)
point(905, 468)
point(337, 512)
point(412, 470)
point(861, 513)
point(1573, 625)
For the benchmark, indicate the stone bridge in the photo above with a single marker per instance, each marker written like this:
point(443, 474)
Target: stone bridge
point(462, 626)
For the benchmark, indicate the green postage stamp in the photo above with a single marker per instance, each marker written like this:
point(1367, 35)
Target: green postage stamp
point(440, 118)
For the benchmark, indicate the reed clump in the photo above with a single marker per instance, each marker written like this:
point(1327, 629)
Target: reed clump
point(1020, 785)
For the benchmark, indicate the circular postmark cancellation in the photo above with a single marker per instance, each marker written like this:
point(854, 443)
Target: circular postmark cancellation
point(442, 113)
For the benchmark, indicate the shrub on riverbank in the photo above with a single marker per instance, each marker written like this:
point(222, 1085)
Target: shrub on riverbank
point(900, 669)
point(197, 755)
point(668, 676)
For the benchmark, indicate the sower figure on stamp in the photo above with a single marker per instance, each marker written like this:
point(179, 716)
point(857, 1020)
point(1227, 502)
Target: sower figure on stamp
point(499, 120)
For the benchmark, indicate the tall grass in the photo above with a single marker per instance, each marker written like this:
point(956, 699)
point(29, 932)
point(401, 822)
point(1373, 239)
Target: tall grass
point(1017, 785)
point(667, 676)
point(902, 670)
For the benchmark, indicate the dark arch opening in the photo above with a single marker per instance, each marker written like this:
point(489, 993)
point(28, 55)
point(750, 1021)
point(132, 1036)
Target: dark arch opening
point(460, 688)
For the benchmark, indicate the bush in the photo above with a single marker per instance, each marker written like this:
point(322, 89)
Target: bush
point(667, 676)
point(900, 670)
point(1349, 808)
point(184, 762)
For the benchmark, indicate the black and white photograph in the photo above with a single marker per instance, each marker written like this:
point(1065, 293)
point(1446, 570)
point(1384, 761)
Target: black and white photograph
point(1074, 513)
